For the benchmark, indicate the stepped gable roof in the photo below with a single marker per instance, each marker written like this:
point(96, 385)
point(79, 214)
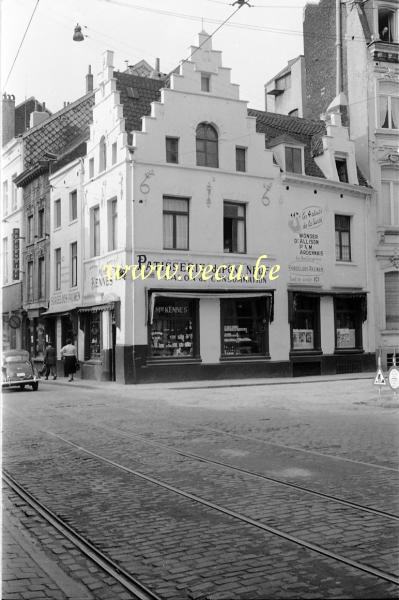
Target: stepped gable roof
point(137, 104)
point(60, 131)
point(306, 131)
point(274, 125)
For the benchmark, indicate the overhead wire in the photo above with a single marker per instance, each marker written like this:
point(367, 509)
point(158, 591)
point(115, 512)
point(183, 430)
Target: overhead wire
point(22, 41)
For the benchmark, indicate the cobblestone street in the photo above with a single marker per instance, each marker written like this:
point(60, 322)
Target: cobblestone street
point(260, 489)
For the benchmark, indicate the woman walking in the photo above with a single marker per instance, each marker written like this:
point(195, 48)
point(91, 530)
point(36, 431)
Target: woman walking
point(69, 356)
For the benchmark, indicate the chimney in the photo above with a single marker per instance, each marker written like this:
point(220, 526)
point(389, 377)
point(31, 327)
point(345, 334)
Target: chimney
point(89, 81)
point(8, 118)
point(37, 116)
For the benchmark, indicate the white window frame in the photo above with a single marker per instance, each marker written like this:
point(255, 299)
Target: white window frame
point(389, 96)
point(392, 199)
point(57, 203)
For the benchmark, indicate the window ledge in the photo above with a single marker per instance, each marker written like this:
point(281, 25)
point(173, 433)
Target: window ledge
point(345, 263)
point(172, 360)
point(245, 358)
point(305, 352)
point(386, 131)
point(390, 332)
point(343, 351)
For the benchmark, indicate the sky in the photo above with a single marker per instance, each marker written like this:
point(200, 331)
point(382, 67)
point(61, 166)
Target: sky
point(256, 43)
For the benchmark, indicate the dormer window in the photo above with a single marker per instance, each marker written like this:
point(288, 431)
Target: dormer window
point(293, 160)
point(342, 168)
point(387, 25)
point(205, 82)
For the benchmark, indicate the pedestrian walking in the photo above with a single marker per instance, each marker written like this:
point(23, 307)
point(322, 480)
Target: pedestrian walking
point(50, 361)
point(69, 356)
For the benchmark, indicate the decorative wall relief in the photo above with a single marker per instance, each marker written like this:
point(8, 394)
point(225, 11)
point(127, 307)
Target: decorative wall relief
point(265, 197)
point(145, 187)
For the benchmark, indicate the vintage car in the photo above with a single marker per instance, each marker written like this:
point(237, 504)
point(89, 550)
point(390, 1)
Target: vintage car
point(18, 370)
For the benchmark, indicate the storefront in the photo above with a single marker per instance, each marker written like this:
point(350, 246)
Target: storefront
point(97, 331)
point(336, 317)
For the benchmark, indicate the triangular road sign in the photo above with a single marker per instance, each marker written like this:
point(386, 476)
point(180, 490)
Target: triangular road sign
point(379, 378)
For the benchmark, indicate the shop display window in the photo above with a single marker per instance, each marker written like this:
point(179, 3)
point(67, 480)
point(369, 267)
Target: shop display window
point(93, 335)
point(305, 323)
point(347, 323)
point(173, 330)
point(244, 327)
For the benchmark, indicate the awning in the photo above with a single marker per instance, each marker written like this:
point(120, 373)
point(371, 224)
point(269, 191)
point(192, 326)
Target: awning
point(212, 294)
point(59, 312)
point(97, 308)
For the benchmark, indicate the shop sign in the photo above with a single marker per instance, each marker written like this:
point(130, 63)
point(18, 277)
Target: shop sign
point(15, 254)
point(307, 245)
point(346, 338)
point(302, 339)
point(66, 298)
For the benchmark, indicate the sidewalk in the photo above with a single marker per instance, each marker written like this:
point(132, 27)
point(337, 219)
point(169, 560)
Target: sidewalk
point(211, 383)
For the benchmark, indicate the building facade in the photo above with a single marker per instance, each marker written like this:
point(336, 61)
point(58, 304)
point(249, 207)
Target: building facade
point(351, 54)
point(182, 176)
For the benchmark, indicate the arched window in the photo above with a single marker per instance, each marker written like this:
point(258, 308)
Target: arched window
point(103, 155)
point(207, 146)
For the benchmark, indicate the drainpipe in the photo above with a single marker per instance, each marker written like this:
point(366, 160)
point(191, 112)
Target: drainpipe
point(338, 47)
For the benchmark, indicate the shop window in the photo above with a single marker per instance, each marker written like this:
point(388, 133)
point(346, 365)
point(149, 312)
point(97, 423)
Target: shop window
point(41, 278)
point(234, 227)
point(74, 264)
point(5, 198)
point(14, 194)
point(40, 223)
point(244, 327)
point(293, 159)
point(114, 152)
point(342, 169)
point(29, 232)
point(241, 158)
point(390, 196)
point(207, 146)
point(392, 300)
point(57, 213)
point(343, 238)
point(91, 168)
point(95, 230)
point(175, 223)
point(205, 82)
point(348, 323)
point(73, 205)
point(112, 224)
point(93, 336)
point(5, 260)
point(305, 322)
point(57, 256)
point(30, 281)
point(102, 155)
point(387, 25)
point(388, 101)
point(172, 150)
point(173, 332)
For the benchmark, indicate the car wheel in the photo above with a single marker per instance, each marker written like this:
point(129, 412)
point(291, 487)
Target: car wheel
point(35, 386)
point(22, 387)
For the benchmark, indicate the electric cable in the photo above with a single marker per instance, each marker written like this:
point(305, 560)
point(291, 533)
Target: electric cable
point(22, 41)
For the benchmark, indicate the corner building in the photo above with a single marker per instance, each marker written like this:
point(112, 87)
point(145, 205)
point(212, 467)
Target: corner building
point(179, 173)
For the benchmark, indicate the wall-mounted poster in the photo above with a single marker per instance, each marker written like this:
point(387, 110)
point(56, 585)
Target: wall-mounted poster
point(346, 338)
point(302, 339)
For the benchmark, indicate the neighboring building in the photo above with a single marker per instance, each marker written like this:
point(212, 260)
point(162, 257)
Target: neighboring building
point(351, 53)
point(192, 183)
point(15, 121)
point(285, 93)
point(12, 234)
point(43, 145)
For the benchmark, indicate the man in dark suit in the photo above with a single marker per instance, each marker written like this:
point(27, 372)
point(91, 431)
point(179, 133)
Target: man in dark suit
point(50, 361)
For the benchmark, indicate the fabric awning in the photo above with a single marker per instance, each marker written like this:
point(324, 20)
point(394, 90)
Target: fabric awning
point(212, 294)
point(97, 307)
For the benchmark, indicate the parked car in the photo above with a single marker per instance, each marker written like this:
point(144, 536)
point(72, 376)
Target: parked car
point(18, 370)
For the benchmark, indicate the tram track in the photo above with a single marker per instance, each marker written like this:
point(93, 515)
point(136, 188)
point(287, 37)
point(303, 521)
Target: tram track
point(378, 573)
point(138, 590)
point(252, 474)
